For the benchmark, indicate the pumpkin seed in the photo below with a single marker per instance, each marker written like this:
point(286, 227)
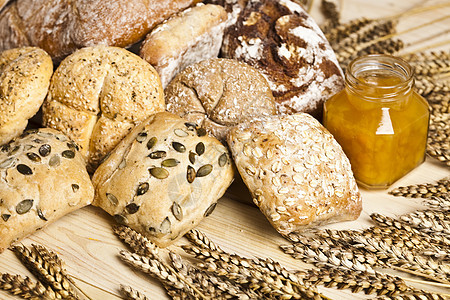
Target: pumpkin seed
point(171, 162)
point(142, 136)
point(71, 145)
point(210, 209)
point(14, 150)
point(112, 198)
point(178, 147)
point(120, 219)
point(190, 176)
point(165, 225)
point(177, 211)
point(142, 188)
point(159, 173)
point(132, 208)
point(54, 161)
point(200, 148)
point(33, 157)
point(38, 141)
point(45, 150)
point(28, 147)
point(192, 157)
point(201, 131)
point(7, 163)
point(6, 147)
point(151, 142)
point(190, 126)
point(24, 169)
point(68, 154)
point(75, 187)
point(122, 164)
point(223, 159)
point(180, 132)
point(204, 170)
point(24, 206)
point(5, 217)
point(41, 214)
point(157, 154)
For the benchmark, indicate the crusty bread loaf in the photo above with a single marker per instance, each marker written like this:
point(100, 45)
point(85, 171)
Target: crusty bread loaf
point(219, 94)
point(62, 26)
point(24, 79)
point(163, 178)
point(282, 41)
point(296, 172)
point(186, 38)
point(98, 94)
point(42, 178)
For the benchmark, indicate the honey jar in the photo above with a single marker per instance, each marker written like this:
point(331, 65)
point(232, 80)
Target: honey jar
point(379, 120)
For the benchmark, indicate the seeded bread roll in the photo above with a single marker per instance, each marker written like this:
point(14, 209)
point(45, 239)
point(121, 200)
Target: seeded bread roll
point(24, 79)
point(282, 41)
point(186, 38)
point(42, 178)
point(163, 178)
point(296, 172)
point(98, 94)
point(219, 94)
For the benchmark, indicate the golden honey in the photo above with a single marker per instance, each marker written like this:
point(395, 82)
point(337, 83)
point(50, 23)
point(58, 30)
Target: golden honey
point(379, 120)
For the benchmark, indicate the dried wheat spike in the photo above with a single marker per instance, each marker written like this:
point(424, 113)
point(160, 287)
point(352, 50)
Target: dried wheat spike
point(438, 203)
point(140, 244)
point(415, 295)
point(440, 104)
point(425, 86)
point(432, 222)
point(427, 56)
point(27, 288)
point(427, 190)
point(200, 239)
point(430, 67)
point(331, 9)
point(131, 294)
point(336, 34)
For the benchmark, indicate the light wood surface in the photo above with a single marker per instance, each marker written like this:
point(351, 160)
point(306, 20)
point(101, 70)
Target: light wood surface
point(85, 241)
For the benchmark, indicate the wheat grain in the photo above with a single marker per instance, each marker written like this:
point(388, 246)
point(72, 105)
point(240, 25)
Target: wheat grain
point(131, 294)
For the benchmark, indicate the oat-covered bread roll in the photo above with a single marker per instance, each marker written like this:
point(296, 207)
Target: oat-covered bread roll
point(62, 26)
point(186, 38)
point(24, 79)
point(282, 41)
point(219, 94)
point(42, 178)
point(163, 178)
point(296, 172)
point(98, 94)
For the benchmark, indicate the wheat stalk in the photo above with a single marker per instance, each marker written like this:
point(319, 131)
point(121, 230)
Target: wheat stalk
point(27, 288)
point(132, 294)
point(139, 243)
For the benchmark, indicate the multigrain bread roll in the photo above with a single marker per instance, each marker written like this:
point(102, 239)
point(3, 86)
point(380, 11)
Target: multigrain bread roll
point(219, 94)
point(282, 41)
point(24, 79)
point(186, 38)
point(42, 178)
point(98, 94)
point(62, 26)
point(296, 172)
point(163, 178)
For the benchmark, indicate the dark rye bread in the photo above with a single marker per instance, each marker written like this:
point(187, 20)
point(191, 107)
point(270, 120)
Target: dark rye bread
point(282, 41)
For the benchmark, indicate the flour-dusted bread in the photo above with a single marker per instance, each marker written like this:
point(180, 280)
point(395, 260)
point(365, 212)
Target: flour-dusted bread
point(219, 94)
point(24, 79)
point(42, 178)
point(98, 94)
point(296, 172)
point(62, 26)
point(282, 41)
point(186, 38)
point(163, 178)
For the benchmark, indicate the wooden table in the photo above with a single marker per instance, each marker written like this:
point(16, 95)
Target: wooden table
point(85, 241)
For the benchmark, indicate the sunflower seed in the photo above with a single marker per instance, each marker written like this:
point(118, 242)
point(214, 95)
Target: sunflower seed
point(192, 157)
point(122, 164)
point(41, 214)
point(204, 170)
point(159, 173)
point(210, 209)
point(45, 150)
point(24, 206)
point(7, 163)
point(132, 208)
point(200, 148)
point(24, 169)
point(33, 157)
point(68, 154)
point(142, 189)
point(190, 176)
point(223, 159)
point(157, 154)
point(112, 198)
point(177, 211)
point(201, 131)
point(165, 226)
point(171, 162)
point(5, 217)
point(180, 132)
point(54, 161)
point(75, 187)
point(38, 141)
point(178, 147)
point(120, 219)
point(142, 136)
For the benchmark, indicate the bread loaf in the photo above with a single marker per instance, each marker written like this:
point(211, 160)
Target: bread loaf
point(42, 178)
point(24, 79)
point(297, 173)
point(98, 94)
point(282, 41)
point(186, 38)
point(163, 178)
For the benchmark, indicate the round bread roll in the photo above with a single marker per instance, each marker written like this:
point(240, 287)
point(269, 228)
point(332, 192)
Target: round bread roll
point(296, 172)
point(98, 94)
point(24, 79)
point(42, 178)
point(219, 94)
point(186, 38)
point(163, 178)
point(283, 42)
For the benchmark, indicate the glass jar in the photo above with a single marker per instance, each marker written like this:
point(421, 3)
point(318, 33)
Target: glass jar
point(379, 120)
